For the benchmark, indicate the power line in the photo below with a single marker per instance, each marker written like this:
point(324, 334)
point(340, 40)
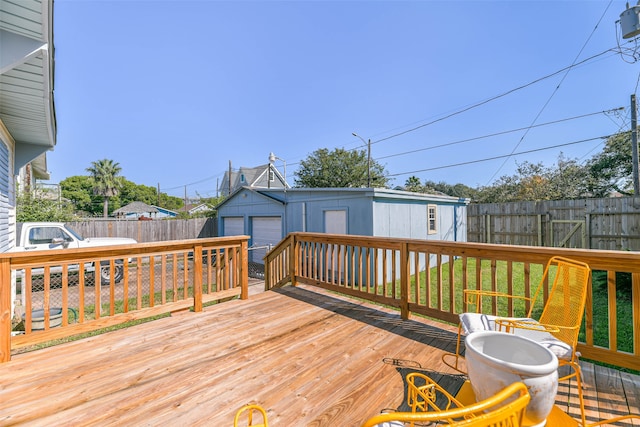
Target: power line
point(190, 184)
point(501, 157)
point(498, 133)
point(455, 113)
point(555, 91)
point(606, 112)
point(486, 101)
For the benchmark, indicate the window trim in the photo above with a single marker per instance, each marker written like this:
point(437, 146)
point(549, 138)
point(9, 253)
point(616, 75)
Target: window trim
point(432, 219)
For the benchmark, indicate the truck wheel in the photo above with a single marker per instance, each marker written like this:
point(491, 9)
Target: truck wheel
point(105, 273)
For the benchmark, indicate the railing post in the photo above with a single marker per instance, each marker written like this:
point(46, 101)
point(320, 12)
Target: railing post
point(5, 310)
point(197, 278)
point(294, 248)
point(244, 270)
point(405, 275)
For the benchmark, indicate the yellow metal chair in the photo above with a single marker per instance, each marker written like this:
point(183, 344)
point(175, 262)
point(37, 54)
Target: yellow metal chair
point(504, 408)
point(558, 326)
point(251, 410)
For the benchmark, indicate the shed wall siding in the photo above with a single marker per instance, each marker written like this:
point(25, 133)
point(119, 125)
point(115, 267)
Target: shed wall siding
point(305, 211)
point(391, 215)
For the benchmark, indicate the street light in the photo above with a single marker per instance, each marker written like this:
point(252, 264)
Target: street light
point(368, 143)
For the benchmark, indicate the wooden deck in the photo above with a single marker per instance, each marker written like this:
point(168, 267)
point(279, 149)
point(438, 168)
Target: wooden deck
point(310, 358)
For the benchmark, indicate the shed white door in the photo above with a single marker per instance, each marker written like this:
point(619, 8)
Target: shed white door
point(265, 230)
point(234, 226)
point(335, 222)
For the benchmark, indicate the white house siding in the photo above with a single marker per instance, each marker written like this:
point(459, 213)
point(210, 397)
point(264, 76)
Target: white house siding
point(7, 211)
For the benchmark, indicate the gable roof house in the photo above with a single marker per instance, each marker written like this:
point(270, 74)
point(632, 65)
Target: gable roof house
point(136, 210)
point(268, 215)
point(31, 172)
point(164, 212)
point(27, 114)
point(264, 176)
point(199, 208)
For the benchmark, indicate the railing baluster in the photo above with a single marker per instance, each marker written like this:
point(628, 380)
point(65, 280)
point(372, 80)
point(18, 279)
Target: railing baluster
point(5, 311)
point(635, 303)
point(613, 317)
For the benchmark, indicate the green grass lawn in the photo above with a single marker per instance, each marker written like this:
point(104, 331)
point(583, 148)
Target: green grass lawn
point(624, 307)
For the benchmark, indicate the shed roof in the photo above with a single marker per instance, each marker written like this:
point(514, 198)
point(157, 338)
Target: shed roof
point(279, 194)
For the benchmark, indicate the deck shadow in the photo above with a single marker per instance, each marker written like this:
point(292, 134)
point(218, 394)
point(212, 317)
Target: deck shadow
point(450, 382)
point(390, 322)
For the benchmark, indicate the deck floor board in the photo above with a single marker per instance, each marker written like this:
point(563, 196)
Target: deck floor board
point(309, 357)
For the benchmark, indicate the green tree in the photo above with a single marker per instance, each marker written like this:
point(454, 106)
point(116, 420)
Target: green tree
point(567, 179)
point(413, 184)
point(339, 168)
point(132, 192)
point(171, 202)
point(30, 208)
point(79, 191)
point(612, 169)
point(106, 183)
point(456, 190)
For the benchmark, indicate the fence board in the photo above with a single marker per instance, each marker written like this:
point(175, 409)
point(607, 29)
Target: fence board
point(608, 224)
point(148, 231)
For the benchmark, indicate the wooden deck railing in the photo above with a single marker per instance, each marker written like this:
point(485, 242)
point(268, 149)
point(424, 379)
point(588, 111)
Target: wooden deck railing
point(394, 272)
point(59, 292)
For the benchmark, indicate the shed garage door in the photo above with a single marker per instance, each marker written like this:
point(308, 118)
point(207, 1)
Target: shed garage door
point(233, 226)
point(265, 230)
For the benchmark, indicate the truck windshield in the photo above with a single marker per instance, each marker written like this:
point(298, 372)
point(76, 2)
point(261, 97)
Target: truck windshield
point(74, 232)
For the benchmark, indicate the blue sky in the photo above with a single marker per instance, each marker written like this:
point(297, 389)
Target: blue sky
point(173, 90)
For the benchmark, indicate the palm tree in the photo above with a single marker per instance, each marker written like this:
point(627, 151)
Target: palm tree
point(105, 180)
point(413, 184)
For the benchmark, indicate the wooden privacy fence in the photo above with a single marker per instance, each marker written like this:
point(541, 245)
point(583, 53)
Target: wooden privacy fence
point(59, 292)
point(148, 231)
point(611, 223)
point(428, 278)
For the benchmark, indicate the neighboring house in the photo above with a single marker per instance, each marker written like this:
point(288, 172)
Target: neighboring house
point(268, 215)
point(27, 114)
point(165, 213)
point(31, 172)
point(136, 210)
point(200, 208)
point(265, 176)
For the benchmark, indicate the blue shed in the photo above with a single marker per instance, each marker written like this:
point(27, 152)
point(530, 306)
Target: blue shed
point(268, 215)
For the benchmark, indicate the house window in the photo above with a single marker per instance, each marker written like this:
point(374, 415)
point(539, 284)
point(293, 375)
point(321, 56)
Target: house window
point(432, 219)
point(271, 176)
point(242, 178)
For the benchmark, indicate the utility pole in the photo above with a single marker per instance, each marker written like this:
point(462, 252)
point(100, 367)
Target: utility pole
point(368, 142)
point(229, 179)
point(634, 146)
point(185, 198)
point(369, 163)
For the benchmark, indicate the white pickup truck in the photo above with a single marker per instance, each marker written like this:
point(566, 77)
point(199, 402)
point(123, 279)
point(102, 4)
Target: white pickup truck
point(36, 236)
